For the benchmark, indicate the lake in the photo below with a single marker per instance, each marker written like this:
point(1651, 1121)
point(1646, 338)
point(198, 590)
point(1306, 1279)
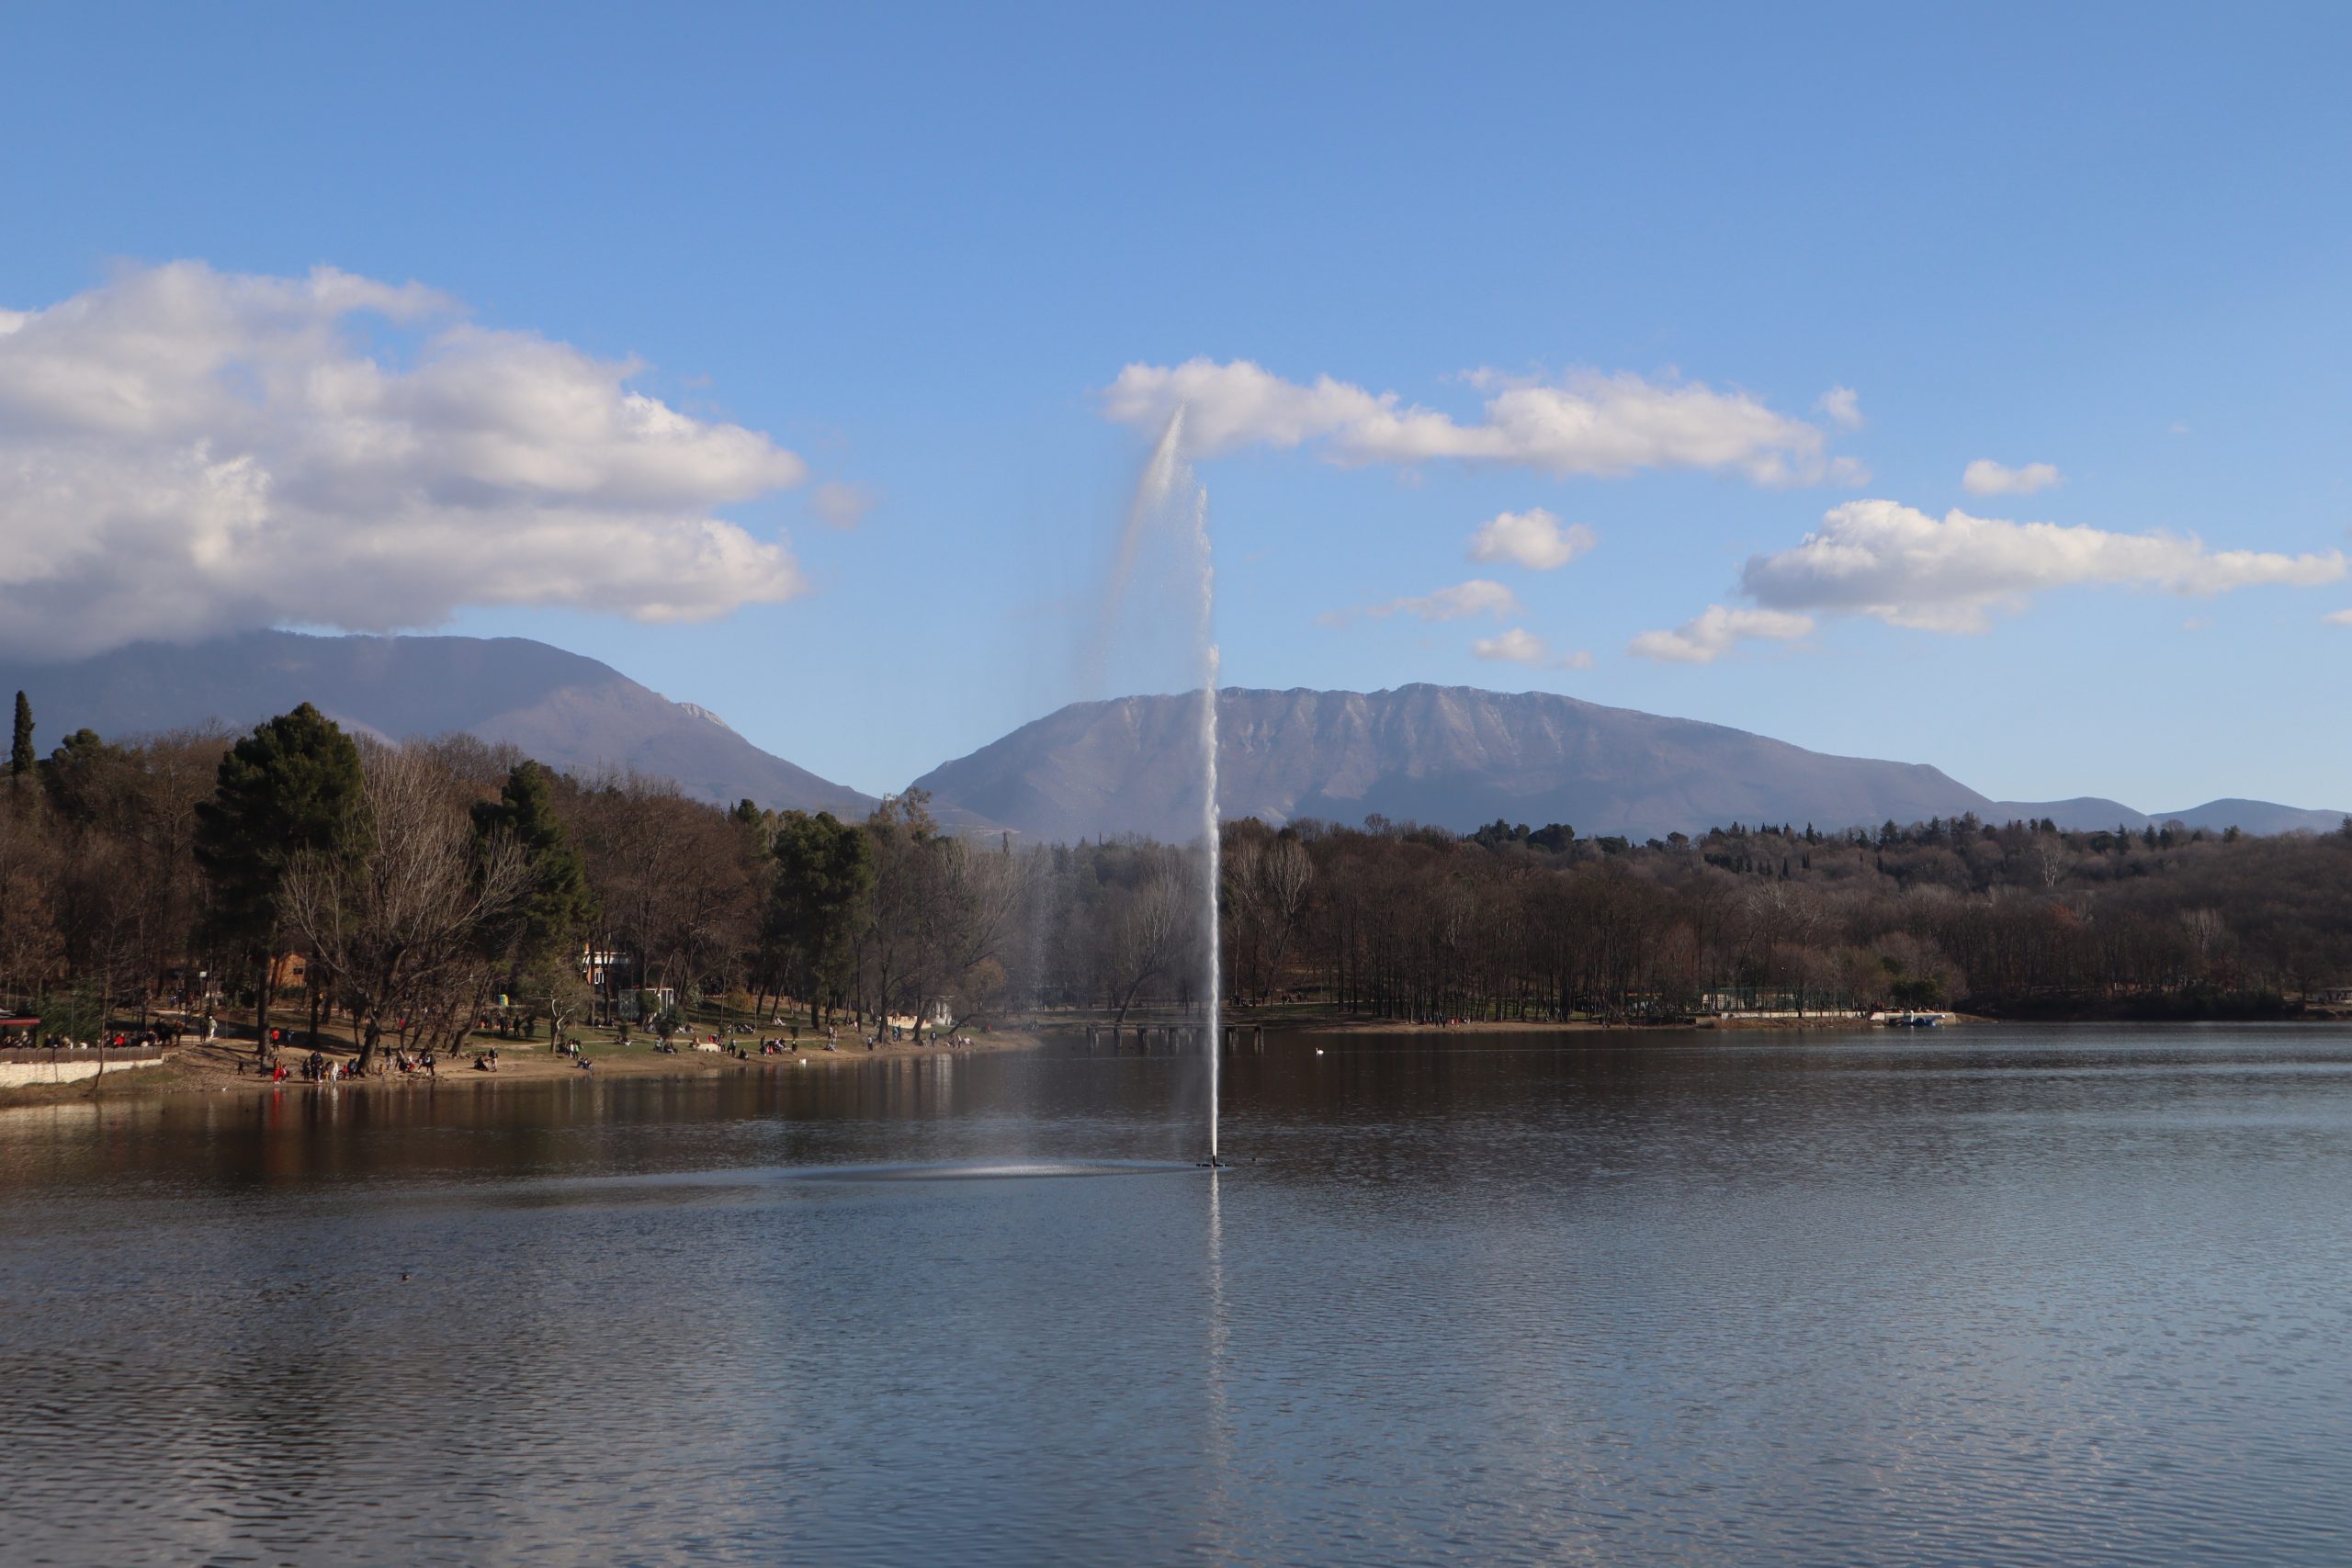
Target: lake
point(1996, 1294)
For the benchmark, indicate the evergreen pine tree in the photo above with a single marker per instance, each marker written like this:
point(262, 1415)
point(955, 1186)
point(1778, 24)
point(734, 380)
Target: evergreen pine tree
point(560, 904)
point(824, 880)
point(293, 786)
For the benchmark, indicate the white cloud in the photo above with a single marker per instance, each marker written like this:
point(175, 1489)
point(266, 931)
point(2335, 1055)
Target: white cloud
point(1985, 477)
point(1716, 631)
point(184, 452)
point(1881, 558)
point(1585, 423)
point(1532, 538)
point(1462, 602)
point(2338, 617)
point(839, 505)
point(1459, 602)
point(1520, 646)
point(1843, 406)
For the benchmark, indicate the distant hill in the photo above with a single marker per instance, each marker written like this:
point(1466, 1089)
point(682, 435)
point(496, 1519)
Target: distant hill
point(1458, 757)
point(570, 712)
point(1453, 756)
point(2089, 812)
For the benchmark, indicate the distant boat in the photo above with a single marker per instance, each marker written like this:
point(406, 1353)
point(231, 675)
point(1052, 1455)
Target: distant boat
point(1909, 1020)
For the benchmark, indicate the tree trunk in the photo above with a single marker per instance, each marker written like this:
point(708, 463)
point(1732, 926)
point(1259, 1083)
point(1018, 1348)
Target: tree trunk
point(261, 1005)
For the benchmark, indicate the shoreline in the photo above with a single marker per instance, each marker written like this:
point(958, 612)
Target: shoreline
point(200, 1068)
point(1587, 1026)
point(213, 1067)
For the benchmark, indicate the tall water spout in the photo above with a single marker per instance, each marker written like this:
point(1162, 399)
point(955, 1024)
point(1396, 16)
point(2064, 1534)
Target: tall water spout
point(1172, 507)
point(1212, 832)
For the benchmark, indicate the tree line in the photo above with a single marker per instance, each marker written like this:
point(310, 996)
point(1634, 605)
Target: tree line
point(309, 875)
point(2016, 918)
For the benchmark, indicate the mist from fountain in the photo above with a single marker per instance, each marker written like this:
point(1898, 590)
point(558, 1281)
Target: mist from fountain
point(1212, 831)
point(1170, 502)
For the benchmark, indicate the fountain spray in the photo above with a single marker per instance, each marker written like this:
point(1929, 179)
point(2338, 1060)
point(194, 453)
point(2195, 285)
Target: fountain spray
point(1212, 829)
point(1166, 480)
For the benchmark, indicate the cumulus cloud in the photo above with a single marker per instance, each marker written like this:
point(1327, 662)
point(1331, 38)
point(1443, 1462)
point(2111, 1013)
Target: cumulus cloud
point(1716, 631)
point(839, 505)
point(1843, 406)
point(1532, 538)
point(1585, 422)
point(1462, 602)
point(1881, 558)
point(184, 452)
point(1985, 477)
point(2338, 617)
point(1520, 646)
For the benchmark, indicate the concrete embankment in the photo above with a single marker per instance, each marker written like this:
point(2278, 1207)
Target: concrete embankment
point(70, 1064)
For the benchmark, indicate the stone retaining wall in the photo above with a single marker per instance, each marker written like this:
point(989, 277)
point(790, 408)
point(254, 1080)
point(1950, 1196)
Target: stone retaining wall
point(39, 1066)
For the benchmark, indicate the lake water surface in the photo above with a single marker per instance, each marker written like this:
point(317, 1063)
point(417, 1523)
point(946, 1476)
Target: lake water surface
point(1993, 1295)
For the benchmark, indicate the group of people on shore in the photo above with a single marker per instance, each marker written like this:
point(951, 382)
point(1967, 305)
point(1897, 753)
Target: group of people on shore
point(120, 1041)
point(320, 1068)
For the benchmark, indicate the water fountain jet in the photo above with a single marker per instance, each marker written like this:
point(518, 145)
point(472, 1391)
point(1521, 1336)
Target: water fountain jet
point(1166, 477)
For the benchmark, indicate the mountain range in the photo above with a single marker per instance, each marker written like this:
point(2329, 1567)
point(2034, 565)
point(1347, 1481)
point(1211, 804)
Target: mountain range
point(1453, 756)
point(1458, 757)
point(571, 712)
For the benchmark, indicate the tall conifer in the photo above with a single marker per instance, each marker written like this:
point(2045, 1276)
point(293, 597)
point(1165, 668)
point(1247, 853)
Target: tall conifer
point(559, 904)
point(292, 786)
point(20, 755)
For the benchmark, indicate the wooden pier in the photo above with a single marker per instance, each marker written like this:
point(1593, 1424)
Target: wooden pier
point(1172, 1038)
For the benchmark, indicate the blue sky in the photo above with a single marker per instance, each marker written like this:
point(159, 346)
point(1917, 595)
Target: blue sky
point(914, 247)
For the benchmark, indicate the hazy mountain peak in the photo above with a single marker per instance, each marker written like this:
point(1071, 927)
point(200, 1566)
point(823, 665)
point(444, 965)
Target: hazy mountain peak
point(1451, 755)
point(1460, 757)
point(571, 712)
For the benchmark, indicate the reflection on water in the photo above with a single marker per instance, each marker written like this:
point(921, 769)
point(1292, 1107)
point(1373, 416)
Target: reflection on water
point(2003, 1296)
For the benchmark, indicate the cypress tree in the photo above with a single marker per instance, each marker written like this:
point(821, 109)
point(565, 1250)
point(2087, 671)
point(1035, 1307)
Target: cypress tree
point(20, 755)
